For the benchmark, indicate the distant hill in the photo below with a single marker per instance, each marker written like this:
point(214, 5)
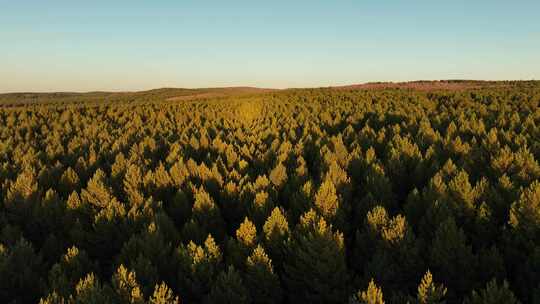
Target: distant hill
point(429, 85)
point(182, 94)
point(170, 94)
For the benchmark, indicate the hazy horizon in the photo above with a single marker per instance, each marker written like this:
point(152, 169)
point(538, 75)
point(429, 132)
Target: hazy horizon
point(134, 46)
point(263, 88)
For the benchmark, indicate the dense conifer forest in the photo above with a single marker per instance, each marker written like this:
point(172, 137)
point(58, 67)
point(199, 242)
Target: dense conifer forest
point(332, 195)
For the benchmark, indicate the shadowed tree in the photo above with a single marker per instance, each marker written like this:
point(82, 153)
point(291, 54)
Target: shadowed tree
point(20, 273)
point(451, 258)
point(260, 279)
point(276, 232)
point(228, 289)
point(207, 215)
point(198, 267)
point(125, 287)
point(493, 294)
point(90, 291)
point(72, 267)
point(315, 269)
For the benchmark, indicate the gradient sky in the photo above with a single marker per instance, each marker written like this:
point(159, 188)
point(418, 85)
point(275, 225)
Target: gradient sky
point(135, 45)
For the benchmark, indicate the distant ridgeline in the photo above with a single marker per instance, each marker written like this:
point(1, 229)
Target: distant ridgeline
point(141, 97)
point(423, 192)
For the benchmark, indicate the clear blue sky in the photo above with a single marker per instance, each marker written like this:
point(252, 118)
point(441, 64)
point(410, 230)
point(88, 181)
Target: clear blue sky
point(134, 45)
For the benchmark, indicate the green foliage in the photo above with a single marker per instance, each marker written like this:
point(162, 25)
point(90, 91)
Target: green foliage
point(315, 268)
point(387, 251)
point(260, 279)
point(326, 200)
point(278, 175)
point(451, 257)
point(246, 239)
point(142, 196)
point(163, 295)
point(72, 267)
point(228, 288)
point(525, 213)
point(493, 294)
point(90, 291)
point(373, 295)
point(247, 234)
point(97, 194)
point(126, 287)
point(429, 292)
point(20, 273)
point(276, 232)
point(69, 181)
point(207, 215)
point(198, 266)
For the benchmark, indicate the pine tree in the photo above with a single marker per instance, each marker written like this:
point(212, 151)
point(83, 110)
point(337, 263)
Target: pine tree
point(69, 181)
point(206, 213)
point(179, 208)
point(490, 265)
point(20, 269)
point(247, 234)
point(163, 295)
point(301, 199)
point(326, 200)
point(387, 251)
point(278, 175)
point(109, 231)
point(90, 291)
point(228, 289)
point(74, 203)
point(198, 266)
point(378, 190)
point(260, 279)
point(261, 207)
point(192, 231)
point(133, 185)
point(339, 178)
point(48, 222)
point(21, 197)
point(451, 257)
point(390, 230)
point(315, 269)
point(373, 295)
point(246, 239)
point(462, 195)
point(525, 213)
point(340, 150)
point(276, 232)
point(64, 275)
point(429, 292)
point(97, 193)
point(53, 298)
point(179, 173)
point(160, 183)
point(23, 189)
point(126, 287)
point(493, 294)
point(149, 247)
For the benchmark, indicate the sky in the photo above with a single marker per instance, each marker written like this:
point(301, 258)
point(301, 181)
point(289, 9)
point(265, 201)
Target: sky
point(136, 45)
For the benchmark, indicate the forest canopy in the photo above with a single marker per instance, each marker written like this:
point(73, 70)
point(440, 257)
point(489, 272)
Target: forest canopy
point(377, 194)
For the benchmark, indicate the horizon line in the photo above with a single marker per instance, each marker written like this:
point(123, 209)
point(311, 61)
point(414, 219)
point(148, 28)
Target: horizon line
point(376, 82)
